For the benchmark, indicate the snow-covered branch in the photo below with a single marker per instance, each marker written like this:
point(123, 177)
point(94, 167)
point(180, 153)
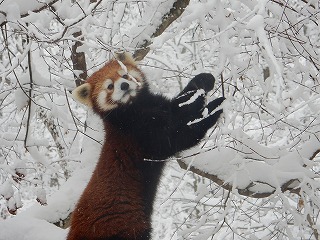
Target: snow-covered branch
point(237, 170)
point(143, 46)
point(32, 6)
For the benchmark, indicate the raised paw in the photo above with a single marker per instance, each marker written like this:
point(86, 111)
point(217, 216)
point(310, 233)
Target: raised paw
point(203, 81)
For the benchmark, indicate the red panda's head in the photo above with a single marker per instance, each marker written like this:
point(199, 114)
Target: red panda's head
point(117, 83)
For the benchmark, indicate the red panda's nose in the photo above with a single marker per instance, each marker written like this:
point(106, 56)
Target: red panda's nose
point(124, 86)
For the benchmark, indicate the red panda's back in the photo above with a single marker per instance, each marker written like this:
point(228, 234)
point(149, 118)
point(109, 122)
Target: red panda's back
point(112, 203)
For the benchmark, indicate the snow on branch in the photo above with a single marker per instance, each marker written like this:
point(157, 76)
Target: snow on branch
point(167, 18)
point(255, 171)
point(24, 8)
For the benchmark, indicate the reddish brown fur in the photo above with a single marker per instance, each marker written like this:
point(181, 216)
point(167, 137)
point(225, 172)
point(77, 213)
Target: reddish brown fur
point(112, 202)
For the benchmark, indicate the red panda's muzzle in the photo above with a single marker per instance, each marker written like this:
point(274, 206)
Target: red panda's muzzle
point(115, 93)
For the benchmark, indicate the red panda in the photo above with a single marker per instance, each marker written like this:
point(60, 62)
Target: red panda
point(139, 127)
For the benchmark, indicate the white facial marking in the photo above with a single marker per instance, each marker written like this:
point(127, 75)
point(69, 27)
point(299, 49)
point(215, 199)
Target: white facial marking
point(135, 74)
point(123, 96)
point(102, 101)
point(119, 95)
point(122, 72)
point(102, 97)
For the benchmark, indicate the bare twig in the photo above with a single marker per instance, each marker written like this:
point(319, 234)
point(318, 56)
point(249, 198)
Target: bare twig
point(30, 97)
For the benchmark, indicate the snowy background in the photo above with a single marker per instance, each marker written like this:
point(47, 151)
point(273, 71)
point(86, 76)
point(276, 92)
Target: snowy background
point(256, 174)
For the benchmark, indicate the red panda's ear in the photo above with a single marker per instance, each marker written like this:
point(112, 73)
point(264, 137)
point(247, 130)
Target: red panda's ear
point(82, 94)
point(126, 58)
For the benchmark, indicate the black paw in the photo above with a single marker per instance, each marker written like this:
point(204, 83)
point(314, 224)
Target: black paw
point(203, 81)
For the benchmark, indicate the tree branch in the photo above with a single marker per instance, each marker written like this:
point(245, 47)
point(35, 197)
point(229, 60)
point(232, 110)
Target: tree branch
point(246, 191)
point(79, 60)
point(30, 97)
point(175, 12)
point(45, 6)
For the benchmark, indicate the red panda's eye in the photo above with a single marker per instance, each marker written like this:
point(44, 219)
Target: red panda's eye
point(125, 76)
point(110, 86)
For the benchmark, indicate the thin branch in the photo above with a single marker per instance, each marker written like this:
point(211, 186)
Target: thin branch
point(312, 226)
point(30, 97)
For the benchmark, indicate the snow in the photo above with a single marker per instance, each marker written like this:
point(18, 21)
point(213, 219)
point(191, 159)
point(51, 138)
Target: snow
point(149, 22)
point(36, 221)
point(257, 24)
point(21, 5)
point(240, 168)
point(264, 58)
point(25, 228)
point(6, 190)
